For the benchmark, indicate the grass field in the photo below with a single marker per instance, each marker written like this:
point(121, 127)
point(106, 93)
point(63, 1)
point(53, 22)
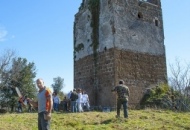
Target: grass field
point(138, 120)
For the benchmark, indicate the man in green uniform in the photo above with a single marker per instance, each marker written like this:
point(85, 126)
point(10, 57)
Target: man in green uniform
point(122, 98)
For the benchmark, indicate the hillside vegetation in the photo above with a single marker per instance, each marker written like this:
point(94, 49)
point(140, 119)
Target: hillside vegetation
point(147, 119)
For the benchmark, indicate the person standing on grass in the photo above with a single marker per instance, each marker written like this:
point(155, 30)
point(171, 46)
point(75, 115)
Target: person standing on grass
point(20, 105)
point(122, 98)
point(79, 100)
point(85, 99)
point(44, 103)
point(56, 101)
point(65, 104)
point(69, 101)
point(73, 98)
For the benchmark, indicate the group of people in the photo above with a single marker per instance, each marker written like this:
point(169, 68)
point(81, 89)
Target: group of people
point(78, 99)
point(75, 101)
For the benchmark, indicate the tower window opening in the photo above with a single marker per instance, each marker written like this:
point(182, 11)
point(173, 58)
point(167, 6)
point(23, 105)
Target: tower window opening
point(156, 23)
point(140, 16)
point(105, 48)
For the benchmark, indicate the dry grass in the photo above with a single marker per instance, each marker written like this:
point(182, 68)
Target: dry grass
point(138, 120)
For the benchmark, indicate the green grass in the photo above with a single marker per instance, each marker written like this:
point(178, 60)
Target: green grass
point(138, 120)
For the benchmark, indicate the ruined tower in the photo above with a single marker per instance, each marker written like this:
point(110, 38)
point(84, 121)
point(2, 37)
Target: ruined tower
point(118, 39)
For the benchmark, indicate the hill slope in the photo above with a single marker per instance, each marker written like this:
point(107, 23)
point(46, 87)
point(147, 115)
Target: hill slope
point(138, 120)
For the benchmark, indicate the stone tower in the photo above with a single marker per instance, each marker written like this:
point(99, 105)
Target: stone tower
point(118, 39)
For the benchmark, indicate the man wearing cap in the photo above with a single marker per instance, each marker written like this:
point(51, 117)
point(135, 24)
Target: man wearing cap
point(122, 98)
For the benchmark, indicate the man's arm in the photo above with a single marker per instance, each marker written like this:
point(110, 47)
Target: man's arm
point(128, 92)
point(71, 96)
point(113, 89)
point(35, 104)
point(87, 98)
point(50, 102)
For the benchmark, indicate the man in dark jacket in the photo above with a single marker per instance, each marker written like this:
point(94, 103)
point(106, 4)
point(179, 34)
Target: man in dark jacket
point(122, 98)
point(73, 98)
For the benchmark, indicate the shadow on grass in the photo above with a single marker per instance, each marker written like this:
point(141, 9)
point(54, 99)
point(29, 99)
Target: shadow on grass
point(106, 121)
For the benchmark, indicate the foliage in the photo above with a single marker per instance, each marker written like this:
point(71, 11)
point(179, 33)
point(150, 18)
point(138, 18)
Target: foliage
point(79, 47)
point(138, 120)
point(5, 66)
point(154, 96)
point(94, 3)
point(22, 75)
point(165, 97)
point(58, 84)
point(15, 72)
point(61, 95)
point(3, 111)
point(5, 63)
point(94, 7)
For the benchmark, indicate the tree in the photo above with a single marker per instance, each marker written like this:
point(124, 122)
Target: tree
point(58, 84)
point(22, 75)
point(174, 95)
point(5, 66)
point(5, 63)
point(180, 76)
point(61, 95)
point(19, 74)
point(180, 81)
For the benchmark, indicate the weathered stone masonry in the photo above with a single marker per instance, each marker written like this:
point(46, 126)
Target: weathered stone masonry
point(125, 40)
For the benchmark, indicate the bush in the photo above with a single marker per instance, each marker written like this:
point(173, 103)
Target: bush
point(155, 96)
point(3, 111)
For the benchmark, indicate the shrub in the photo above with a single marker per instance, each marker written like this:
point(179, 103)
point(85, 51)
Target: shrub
point(3, 111)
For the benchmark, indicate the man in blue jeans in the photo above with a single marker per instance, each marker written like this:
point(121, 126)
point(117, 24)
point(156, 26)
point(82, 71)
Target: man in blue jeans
point(56, 101)
point(73, 98)
point(122, 98)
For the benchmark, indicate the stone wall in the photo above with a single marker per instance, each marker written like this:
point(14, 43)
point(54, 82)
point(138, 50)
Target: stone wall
point(139, 71)
point(97, 86)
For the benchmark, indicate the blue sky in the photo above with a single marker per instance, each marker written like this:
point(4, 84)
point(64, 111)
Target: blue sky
point(42, 32)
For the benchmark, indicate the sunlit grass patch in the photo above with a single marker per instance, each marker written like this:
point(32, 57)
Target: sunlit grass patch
point(138, 120)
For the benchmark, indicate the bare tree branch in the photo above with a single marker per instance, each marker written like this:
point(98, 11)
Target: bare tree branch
point(180, 76)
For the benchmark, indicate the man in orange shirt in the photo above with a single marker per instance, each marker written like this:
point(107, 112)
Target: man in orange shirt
point(44, 104)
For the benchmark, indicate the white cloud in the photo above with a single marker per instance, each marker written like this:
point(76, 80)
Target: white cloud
point(3, 34)
point(13, 36)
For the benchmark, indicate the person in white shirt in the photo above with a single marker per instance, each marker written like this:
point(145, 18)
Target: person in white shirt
point(79, 100)
point(85, 99)
point(56, 101)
